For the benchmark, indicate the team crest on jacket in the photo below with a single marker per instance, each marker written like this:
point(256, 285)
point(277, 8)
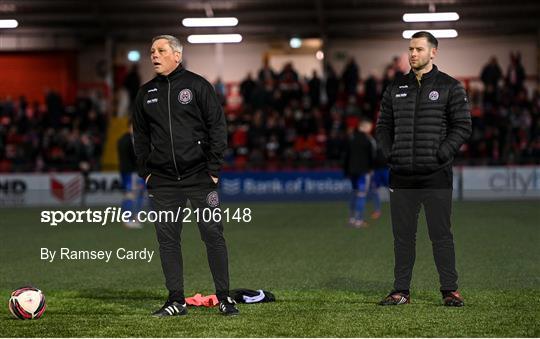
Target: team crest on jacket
point(433, 95)
point(185, 96)
point(212, 199)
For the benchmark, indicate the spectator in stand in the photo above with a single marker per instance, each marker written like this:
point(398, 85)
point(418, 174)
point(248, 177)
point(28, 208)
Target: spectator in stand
point(331, 85)
point(83, 103)
point(132, 82)
point(314, 89)
point(267, 77)
point(389, 75)
point(396, 67)
point(350, 77)
point(288, 84)
point(515, 76)
point(490, 76)
point(247, 87)
point(371, 96)
point(391, 72)
point(54, 108)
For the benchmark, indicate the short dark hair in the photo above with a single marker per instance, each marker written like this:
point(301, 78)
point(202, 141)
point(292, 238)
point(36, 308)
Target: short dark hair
point(430, 38)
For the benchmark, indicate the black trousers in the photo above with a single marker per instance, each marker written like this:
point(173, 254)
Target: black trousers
point(405, 207)
point(168, 195)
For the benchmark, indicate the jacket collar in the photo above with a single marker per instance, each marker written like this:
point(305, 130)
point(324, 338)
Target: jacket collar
point(425, 76)
point(173, 75)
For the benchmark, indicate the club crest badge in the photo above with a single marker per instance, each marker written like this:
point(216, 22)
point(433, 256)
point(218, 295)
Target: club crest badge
point(433, 95)
point(185, 96)
point(212, 199)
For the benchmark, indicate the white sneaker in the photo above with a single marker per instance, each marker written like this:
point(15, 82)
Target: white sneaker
point(360, 224)
point(133, 225)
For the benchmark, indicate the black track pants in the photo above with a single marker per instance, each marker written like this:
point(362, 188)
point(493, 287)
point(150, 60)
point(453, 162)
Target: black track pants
point(168, 195)
point(405, 207)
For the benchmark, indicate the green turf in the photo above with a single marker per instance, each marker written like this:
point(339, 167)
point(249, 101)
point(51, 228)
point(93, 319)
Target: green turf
point(327, 278)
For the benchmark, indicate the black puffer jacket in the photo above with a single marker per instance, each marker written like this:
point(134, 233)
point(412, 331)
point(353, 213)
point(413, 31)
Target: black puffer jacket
point(423, 124)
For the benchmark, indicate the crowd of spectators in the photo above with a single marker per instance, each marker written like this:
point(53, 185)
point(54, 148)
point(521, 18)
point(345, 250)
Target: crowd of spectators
point(285, 122)
point(291, 122)
point(506, 119)
point(45, 137)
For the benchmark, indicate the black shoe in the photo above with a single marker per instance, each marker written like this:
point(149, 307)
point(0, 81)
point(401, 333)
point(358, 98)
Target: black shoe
point(227, 307)
point(453, 299)
point(395, 298)
point(171, 308)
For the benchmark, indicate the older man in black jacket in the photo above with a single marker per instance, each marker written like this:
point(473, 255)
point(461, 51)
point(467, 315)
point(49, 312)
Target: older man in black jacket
point(180, 135)
point(424, 120)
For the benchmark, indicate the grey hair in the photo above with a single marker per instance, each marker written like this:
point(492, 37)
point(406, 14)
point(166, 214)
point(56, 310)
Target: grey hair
point(175, 44)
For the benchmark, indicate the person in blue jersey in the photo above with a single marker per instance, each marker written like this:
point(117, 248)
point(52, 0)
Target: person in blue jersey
point(132, 184)
point(357, 166)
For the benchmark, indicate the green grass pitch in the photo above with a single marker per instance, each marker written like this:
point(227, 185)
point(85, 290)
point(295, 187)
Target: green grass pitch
point(327, 278)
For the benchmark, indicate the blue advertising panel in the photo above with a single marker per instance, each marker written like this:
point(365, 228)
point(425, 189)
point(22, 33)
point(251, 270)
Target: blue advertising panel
point(297, 185)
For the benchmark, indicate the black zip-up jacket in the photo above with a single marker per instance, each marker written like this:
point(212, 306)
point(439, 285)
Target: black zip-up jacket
point(423, 124)
point(179, 127)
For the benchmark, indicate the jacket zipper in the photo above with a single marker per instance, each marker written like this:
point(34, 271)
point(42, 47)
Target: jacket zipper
point(170, 128)
point(414, 124)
